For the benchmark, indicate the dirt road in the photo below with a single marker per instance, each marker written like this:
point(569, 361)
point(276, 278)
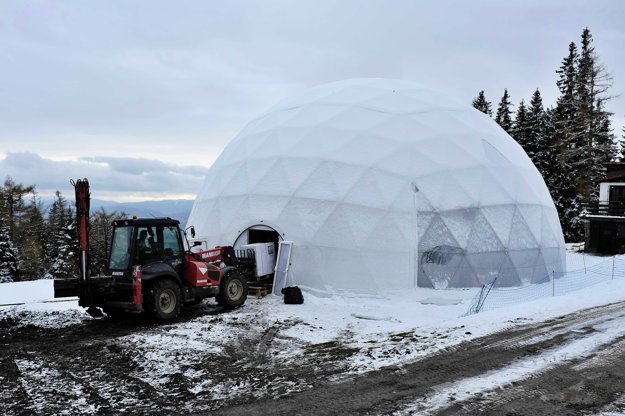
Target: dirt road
point(566, 366)
point(584, 381)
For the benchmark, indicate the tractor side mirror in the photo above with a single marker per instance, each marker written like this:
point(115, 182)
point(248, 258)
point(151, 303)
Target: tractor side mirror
point(196, 243)
point(192, 232)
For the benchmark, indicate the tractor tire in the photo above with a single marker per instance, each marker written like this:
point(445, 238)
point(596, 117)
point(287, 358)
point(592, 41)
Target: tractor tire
point(163, 300)
point(232, 291)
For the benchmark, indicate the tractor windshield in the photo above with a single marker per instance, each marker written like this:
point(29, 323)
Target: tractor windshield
point(120, 249)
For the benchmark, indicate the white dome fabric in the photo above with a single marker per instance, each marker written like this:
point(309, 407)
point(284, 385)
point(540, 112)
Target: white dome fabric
point(383, 185)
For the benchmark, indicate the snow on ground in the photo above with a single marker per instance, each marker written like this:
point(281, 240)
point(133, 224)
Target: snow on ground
point(365, 333)
point(467, 388)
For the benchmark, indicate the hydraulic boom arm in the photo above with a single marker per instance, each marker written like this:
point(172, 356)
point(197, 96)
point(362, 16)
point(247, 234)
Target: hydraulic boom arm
point(83, 198)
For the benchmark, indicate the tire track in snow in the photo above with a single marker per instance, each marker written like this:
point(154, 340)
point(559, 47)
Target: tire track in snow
point(483, 384)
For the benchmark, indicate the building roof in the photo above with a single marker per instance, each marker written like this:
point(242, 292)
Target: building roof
point(614, 172)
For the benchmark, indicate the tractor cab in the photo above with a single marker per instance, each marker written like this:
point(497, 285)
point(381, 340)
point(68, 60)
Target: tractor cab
point(143, 242)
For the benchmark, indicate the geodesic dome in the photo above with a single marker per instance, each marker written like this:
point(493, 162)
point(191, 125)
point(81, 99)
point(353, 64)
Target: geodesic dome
point(383, 185)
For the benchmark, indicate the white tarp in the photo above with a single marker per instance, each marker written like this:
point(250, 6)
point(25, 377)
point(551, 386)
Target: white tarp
point(349, 171)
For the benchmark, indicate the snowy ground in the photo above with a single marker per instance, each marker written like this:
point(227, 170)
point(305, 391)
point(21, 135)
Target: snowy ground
point(210, 359)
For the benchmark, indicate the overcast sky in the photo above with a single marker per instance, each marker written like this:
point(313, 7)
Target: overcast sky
point(142, 96)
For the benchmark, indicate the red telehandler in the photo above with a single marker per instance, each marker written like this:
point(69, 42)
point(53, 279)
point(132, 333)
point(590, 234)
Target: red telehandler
point(148, 269)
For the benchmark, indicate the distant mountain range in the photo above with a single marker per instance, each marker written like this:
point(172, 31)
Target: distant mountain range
point(178, 209)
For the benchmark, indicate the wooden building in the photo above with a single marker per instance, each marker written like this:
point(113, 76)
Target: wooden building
point(605, 220)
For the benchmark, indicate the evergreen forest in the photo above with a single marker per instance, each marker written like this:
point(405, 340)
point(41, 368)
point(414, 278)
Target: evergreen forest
point(570, 141)
point(38, 242)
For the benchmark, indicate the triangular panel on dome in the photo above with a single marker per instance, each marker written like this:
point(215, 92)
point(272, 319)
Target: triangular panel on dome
point(366, 148)
point(433, 120)
point(533, 215)
point(362, 220)
point(460, 223)
point(548, 236)
point(424, 219)
point(431, 187)
point(320, 183)
point(408, 160)
point(446, 269)
point(303, 217)
point(525, 262)
point(373, 190)
point(402, 281)
point(494, 155)
point(525, 193)
point(437, 234)
point(442, 149)
point(204, 213)
point(335, 231)
point(500, 218)
point(275, 181)
point(541, 273)
point(483, 238)
point(348, 271)
point(267, 208)
point(229, 208)
point(403, 129)
point(487, 265)
point(554, 258)
point(237, 182)
point(357, 119)
point(319, 142)
point(297, 170)
point(493, 191)
point(520, 234)
point(508, 274)
point(464, 275)
point(405, 198)
point(453, 195)
point(470, 179)
point(389, 232)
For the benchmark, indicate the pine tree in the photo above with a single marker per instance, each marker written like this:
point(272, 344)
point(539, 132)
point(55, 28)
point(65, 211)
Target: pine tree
point(100, 234)
point(13, 196)
point(482, 104)
point(8, 252)
point(620, 155)
point(541, 148)
point(33, 226)
point(593, 125)
point(61, 241)
point(520, 132)
point(503, 116)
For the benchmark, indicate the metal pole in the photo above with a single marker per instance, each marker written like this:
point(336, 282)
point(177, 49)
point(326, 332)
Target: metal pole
point(553, 284)
point(613, 259)
point(415, 253)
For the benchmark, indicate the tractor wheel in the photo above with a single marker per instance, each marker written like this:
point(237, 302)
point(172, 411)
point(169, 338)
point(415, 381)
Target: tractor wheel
point(232, 291)
point(163, 299)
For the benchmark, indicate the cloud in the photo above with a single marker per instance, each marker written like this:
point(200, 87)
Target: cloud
point(166, 81)
point(118, 178)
